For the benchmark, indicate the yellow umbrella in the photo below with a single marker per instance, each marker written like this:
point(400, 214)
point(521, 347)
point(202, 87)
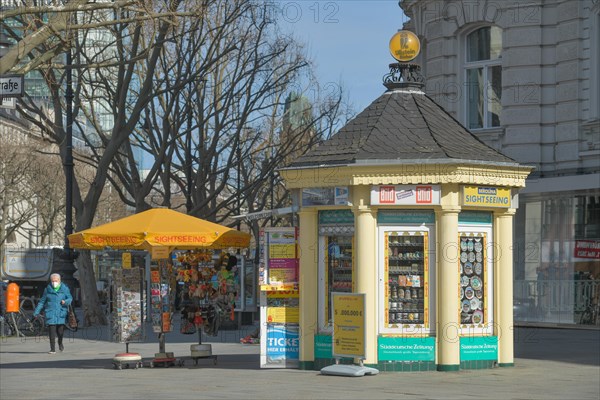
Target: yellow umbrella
point(159, 227)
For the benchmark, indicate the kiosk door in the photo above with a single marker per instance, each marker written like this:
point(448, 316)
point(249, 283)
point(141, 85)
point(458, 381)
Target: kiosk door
point(407, 297)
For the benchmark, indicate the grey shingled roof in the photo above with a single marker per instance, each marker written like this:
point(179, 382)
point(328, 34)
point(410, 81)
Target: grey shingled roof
point(402, 124)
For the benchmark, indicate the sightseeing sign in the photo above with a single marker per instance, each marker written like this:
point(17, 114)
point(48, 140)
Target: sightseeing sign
point(486, 196)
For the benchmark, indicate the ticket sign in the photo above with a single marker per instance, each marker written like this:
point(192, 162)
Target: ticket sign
point(348, 324)
point(486, 196)
point(283, 344)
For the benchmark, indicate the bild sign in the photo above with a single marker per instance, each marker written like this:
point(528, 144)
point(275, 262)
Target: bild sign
point(414, 195)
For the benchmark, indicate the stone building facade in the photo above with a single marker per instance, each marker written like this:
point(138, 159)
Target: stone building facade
point(524, 77)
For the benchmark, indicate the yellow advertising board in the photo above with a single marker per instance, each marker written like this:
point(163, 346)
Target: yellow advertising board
point(283, 315)
point(486, 196)
point(282, 250)
point(283, 307)
point(160, 253)
point(126, 260)
point(348, 324)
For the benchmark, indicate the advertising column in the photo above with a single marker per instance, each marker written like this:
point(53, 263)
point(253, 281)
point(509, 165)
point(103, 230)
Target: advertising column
point(279, 298)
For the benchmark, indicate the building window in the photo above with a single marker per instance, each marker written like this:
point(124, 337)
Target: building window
point(587, 217)
point(483, 77)
point(595, 66)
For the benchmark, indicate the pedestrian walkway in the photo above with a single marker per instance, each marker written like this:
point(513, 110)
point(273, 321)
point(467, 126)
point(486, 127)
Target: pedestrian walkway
point(549, 364)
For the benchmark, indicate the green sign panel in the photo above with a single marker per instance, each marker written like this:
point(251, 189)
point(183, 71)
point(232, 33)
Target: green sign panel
point(406, 349)
point(331, 217)
point(475, 217)
point(405, 217)
point(479, 348)
point(323, 346)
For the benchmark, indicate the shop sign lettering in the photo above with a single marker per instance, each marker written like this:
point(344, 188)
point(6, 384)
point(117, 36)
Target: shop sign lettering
point(323, 346)
point(406, 349)
point(486, 196)
point(283, 343)
point(479, 348)
point(11, 86)
point(587, 249)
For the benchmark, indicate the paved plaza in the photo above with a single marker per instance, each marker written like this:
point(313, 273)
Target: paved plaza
point(549, 364)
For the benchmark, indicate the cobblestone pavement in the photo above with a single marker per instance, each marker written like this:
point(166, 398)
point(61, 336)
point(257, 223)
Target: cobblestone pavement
point(549, 364)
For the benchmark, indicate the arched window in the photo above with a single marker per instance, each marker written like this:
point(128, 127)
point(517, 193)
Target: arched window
point(483, 77)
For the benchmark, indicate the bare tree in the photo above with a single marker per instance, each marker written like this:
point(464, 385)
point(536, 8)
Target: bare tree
point(46, 29)
point(197, 86)
point(228, 113)
point(29, 200)
point(221, 87)
point(165, 127)
point(136, 44)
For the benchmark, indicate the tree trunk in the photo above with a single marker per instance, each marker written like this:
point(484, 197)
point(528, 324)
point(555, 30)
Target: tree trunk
point(92, 310)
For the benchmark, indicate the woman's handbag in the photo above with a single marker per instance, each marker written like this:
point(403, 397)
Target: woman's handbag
point(72, 321)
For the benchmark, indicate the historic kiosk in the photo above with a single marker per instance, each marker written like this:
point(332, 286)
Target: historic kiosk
point(407, 207)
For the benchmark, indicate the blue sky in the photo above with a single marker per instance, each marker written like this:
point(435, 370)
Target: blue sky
point(348, 41)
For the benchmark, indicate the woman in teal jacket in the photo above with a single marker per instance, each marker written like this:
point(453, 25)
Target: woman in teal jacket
point(55, 301)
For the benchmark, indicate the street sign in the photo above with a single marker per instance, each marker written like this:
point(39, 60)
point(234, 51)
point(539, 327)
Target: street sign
point(266, 213)
point(12, 86)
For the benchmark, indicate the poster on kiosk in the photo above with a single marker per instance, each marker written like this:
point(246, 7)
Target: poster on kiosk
point(279, 298)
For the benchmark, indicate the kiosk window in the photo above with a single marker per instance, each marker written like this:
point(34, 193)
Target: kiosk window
point(339, 267)
point(472, 280)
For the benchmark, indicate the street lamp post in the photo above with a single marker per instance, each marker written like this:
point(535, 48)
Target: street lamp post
point(68, 254)
point(68, 163)
point(239, 194)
